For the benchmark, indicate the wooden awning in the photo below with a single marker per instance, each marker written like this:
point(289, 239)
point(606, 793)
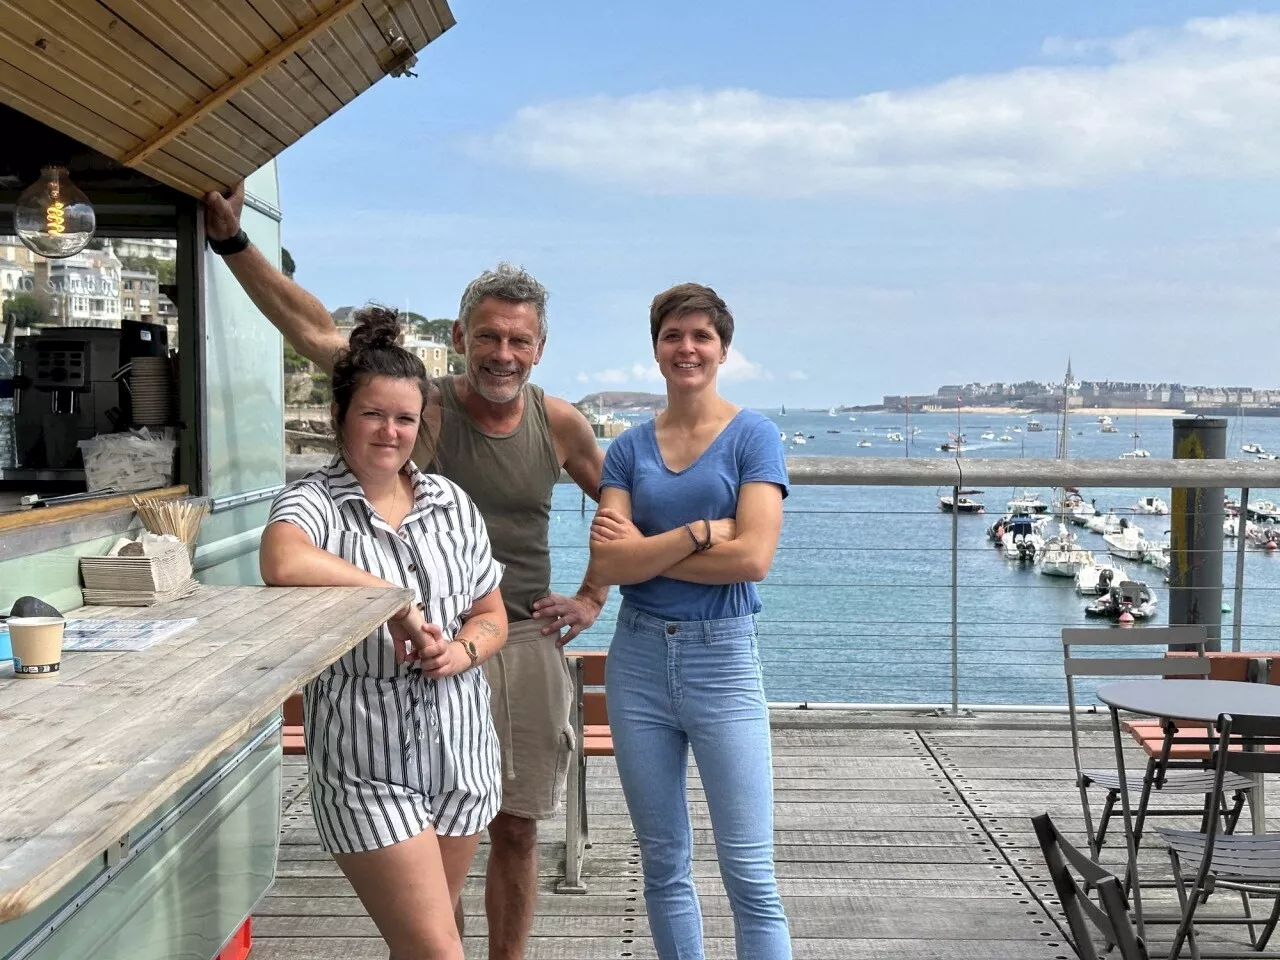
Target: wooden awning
point(198, 95)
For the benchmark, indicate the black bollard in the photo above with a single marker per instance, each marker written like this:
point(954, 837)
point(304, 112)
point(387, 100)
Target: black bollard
point(1195, 532)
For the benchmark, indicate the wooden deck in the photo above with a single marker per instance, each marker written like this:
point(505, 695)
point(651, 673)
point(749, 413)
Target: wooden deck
point(898, 838)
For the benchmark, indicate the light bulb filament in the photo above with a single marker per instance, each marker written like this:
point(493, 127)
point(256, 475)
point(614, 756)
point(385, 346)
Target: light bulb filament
point(55, 219)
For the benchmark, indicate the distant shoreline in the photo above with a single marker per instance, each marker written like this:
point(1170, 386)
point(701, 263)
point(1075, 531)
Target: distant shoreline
point(1115, 413)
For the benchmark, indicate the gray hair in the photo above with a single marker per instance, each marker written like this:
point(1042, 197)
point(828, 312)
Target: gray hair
point(505, 282)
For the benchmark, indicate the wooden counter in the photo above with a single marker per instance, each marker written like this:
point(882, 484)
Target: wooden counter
point(19, 519)
point(85, 758)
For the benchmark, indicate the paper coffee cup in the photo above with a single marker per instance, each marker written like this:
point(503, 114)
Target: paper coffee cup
point(37, 646)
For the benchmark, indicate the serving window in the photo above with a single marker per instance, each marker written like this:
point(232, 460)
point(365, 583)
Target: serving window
point(95, 398)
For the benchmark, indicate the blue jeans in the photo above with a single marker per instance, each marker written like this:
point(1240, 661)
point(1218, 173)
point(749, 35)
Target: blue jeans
point(670, 686)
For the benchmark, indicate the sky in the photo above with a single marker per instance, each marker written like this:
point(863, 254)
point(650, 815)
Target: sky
point(889, 196)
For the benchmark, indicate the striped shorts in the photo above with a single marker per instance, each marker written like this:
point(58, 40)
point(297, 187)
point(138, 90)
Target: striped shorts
point(390, 757)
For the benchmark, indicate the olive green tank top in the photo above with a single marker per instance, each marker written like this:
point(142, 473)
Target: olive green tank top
point(510, 477)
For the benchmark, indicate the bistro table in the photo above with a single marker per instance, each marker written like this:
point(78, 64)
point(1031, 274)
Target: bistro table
point(1191, 700)
point(140, 792)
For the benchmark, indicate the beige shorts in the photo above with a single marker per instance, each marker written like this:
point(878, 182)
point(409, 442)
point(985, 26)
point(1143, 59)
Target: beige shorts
point(531, 697)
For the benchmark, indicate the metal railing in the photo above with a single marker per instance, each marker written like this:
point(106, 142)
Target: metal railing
point(953, 643)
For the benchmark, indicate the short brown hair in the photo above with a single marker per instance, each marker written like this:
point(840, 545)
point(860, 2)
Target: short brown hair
point(686, 298)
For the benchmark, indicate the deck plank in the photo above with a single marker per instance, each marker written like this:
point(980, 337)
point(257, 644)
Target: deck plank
point(897, 838)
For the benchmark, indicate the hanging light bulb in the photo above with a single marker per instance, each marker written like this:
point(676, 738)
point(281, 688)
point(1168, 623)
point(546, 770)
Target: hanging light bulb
point(53, 217)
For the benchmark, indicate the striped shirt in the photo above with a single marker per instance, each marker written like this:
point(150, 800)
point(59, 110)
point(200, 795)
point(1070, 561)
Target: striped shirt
point(391, 752)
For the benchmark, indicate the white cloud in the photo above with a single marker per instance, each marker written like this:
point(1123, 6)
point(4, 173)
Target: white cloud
point(583, 377)
point(736, 367)
point(797, 375)
point(1200, 100)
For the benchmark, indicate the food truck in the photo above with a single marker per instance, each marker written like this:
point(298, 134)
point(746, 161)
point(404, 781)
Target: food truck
point(140, 792)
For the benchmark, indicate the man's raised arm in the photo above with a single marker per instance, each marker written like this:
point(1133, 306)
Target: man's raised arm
point(298, 315)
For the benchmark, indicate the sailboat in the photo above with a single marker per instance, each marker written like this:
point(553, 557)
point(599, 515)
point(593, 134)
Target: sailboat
point(1062, 555)
point(783, 411)
point(1137, 453)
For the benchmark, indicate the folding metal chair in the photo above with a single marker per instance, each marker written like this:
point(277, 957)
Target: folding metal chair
point(1110, 915)
point(1162, 774)
point(1248, 863)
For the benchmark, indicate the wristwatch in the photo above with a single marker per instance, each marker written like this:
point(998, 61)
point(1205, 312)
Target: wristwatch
point(470, 647)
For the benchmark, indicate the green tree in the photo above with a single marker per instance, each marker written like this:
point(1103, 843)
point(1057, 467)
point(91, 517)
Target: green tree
point(165, 271)
point(287, 265)
point(294, 362)
point(25, 309)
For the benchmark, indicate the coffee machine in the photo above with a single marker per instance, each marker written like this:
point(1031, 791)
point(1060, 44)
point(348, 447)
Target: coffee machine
point(64, 391)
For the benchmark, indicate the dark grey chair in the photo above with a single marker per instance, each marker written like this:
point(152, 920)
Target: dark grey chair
point(1247, 863)
point(1110, 915)
point(1162, 775)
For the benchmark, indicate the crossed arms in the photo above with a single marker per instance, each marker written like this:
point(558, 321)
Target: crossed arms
point(741, 549)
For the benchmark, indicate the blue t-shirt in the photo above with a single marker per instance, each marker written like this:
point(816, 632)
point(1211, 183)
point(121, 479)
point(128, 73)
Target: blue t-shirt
point(747, 450)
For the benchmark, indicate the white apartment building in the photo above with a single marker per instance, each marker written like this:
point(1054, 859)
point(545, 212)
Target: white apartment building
point(84, 290)
point(149, 247)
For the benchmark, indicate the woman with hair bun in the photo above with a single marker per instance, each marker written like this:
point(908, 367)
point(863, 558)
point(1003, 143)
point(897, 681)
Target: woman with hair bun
point(404, 763)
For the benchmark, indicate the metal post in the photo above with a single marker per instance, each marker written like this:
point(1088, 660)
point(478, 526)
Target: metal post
point(955, 599)
point(1242, 524)
point(1195, 522)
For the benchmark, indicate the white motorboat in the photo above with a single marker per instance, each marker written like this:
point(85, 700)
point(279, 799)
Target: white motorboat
point(1136, 454)
point(1074, 509)
point(832, 412)
point(864, 443)
point(1034, 426)
point(1252, 448)
point(988, 436)
point(1026, 503)
point(1017, 429)
point(1127, 543)
point(1157, 555)
point(782, 436)
point(1021, 541)
point(797, 437)
point(1231, 527)
point(1108, 428)
point(1264, 511)
point(1152, 506)
point(1005, 438)
point(1126, 601)
point(1105, 523)
point(894, 436)
point(1062, 556)
point(1097, 578)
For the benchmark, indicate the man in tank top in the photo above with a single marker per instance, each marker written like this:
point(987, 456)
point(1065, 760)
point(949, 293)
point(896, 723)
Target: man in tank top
point(504, 442)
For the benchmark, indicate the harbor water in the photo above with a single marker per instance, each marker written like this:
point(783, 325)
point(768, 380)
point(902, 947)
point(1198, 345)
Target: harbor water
point(857, 606)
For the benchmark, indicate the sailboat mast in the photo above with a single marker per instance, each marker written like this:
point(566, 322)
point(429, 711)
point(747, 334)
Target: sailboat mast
point(959, 441)
point(906, 433)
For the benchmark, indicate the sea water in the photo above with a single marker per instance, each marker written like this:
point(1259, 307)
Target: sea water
point(857, 606)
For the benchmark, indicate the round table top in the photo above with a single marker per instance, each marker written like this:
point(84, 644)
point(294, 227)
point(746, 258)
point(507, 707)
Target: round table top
point(1198, 700)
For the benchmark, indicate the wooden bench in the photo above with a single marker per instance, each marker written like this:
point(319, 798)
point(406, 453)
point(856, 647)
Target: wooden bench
point(592, 738)
point(1242, 667)
point(291, 738)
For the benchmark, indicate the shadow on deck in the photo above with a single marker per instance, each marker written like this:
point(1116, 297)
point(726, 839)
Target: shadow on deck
point(899, 837)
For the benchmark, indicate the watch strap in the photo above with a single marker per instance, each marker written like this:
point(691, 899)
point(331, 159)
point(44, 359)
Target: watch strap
point(232, 244)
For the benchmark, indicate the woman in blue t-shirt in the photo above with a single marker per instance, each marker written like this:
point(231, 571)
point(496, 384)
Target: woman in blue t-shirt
point(689, 518)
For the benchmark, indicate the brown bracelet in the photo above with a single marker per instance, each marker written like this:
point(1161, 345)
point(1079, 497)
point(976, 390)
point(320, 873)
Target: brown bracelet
point(705, 544)
point(694, 537)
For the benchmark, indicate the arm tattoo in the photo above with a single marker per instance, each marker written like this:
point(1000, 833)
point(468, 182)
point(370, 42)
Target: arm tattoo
point(487, 627)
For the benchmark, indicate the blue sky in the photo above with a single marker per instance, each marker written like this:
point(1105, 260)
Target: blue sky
point(888, 195)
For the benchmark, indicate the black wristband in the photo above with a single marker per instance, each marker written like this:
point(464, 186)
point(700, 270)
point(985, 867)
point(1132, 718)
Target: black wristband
point(233, 244)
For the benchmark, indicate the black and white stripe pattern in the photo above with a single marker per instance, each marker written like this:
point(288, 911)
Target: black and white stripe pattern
point(389, 751)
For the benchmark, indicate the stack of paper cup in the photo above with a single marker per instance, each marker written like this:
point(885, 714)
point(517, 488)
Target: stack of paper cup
point(37, 646)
